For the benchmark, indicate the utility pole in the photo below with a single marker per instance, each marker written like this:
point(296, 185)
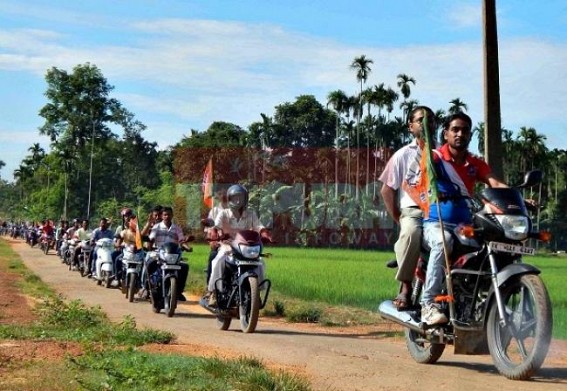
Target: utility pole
point(492, 126)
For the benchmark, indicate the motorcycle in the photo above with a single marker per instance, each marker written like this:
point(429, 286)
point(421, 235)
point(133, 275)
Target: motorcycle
point(104, 267)
point(238, 291)
point(163, 270)
point(68, 251)
point(496, 304)
point(130, 278)
point(47, 242)
point(84, 259)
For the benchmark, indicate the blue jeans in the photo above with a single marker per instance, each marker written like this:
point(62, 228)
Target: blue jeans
point(433, 241)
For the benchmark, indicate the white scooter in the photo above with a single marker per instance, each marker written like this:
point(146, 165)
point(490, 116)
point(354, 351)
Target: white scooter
point(104, 265)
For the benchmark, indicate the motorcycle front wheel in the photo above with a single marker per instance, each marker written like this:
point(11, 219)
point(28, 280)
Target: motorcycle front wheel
point(105, 276)
point(518, 349)
point(131, 278)
point(171, 296)
point(249, 309)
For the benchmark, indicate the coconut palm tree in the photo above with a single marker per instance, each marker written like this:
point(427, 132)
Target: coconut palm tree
point(457, 105)
point(2, 164)
point(338, 100)
point(362, 67)
point(404, 82)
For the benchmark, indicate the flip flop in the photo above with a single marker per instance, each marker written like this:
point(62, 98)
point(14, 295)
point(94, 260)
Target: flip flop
point(401, 302)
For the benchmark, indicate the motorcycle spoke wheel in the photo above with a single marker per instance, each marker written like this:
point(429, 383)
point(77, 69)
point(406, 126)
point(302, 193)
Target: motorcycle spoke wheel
point(249, 309)
point(171, 296)
point(422, 350)
point(519, 347)
point(223, 322)
point(131, 286)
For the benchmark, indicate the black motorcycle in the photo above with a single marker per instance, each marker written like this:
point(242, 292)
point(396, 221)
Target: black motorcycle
point(495, 303)
point(238, 291)
point(163, 277)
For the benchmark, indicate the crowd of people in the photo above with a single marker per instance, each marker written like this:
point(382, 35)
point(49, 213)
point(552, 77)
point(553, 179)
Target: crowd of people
point(71, 240)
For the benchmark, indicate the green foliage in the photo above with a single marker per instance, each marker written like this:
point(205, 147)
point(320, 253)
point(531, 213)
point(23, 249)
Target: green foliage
point(134, 370)
point(73, 321)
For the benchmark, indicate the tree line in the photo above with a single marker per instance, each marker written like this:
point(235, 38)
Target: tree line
point(99, 160)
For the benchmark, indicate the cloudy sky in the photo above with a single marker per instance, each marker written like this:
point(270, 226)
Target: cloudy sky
point(182, 64)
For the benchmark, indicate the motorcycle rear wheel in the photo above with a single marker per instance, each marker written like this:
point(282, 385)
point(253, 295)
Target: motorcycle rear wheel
point(45, 248)
point(249, 308)
point(171, 296)
point(223, 322)
point(519, 348)
point(421, 350)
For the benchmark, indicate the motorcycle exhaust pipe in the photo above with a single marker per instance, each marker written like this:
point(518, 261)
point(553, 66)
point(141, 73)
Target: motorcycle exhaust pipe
point(388, 311)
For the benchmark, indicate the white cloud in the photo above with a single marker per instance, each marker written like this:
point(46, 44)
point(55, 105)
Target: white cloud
point(184, 74)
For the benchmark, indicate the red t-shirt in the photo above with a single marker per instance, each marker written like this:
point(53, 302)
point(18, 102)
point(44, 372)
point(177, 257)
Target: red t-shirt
point(472, 171)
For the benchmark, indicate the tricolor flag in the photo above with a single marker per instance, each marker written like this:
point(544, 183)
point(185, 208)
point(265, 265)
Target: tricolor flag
point(207, 185)
point(421, 178)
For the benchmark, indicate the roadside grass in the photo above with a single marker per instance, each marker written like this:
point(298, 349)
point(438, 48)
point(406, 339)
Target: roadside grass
point(110, 358)
point(344, 287)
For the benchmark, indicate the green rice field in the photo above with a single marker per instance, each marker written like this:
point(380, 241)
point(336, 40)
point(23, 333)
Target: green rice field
point(361, 279)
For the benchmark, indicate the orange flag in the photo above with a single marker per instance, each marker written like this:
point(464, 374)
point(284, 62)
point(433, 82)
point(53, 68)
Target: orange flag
point(134, 227)
point(207, 186)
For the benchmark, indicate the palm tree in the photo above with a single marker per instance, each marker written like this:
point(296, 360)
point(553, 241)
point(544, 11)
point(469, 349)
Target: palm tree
point(479, 131)
point(337, 99)
point(362, 67)
point(404, 82)
point(391, 98)
point(2, 164)
point(532, 145)
point(457, 105)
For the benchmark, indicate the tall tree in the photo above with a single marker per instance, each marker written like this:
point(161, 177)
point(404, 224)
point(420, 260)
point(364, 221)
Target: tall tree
point(78, 119)
point(361, 65)
point(404, 82)
point(457, 105)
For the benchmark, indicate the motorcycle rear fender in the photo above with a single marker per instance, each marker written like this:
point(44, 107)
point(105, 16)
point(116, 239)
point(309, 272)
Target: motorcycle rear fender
point(106, 267)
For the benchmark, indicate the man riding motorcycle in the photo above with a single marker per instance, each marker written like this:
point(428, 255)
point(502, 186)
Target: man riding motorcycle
point(236, 217)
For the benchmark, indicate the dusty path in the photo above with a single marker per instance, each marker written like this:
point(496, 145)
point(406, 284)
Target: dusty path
point(333, 359)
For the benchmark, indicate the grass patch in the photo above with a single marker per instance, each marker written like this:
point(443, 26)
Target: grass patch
point(134, 370)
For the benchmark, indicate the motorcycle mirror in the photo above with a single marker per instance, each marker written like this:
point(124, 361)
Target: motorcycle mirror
point(531, 178)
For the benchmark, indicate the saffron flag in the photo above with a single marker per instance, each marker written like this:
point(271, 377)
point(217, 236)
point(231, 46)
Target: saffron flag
point(207, 186)
point(135, 227)
point(421, 179)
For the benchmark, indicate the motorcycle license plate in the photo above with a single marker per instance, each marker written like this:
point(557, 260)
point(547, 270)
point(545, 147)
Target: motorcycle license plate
point(511, 248)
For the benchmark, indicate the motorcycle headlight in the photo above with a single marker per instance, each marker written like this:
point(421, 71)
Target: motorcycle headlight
point(515, 227)
point(250, 252)
point(169, 258)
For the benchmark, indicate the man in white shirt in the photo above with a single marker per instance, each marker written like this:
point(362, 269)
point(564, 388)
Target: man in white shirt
point(403, 210)
point(236, 217)
point(165, 232)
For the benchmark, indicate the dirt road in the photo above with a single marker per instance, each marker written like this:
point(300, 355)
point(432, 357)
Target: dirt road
point(333, 359)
